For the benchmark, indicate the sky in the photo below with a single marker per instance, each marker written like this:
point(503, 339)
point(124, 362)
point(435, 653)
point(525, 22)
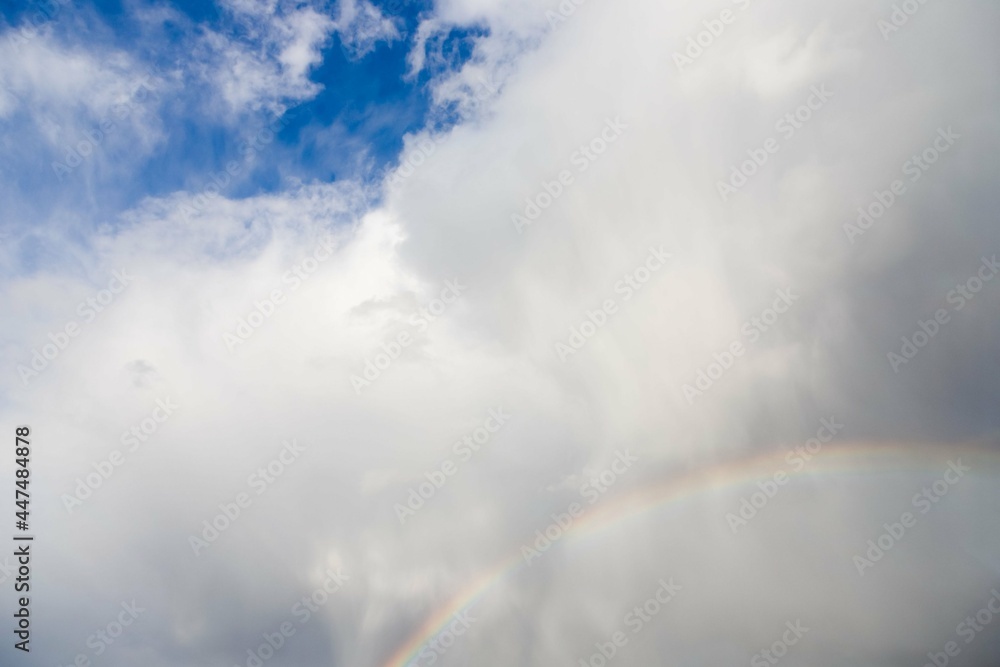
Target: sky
point(541, 332)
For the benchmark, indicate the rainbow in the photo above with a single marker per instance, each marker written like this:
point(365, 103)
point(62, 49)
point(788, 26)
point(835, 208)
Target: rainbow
point(853, 459)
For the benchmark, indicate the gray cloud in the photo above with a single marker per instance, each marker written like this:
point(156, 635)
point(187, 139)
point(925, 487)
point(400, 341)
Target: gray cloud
point(656, 185)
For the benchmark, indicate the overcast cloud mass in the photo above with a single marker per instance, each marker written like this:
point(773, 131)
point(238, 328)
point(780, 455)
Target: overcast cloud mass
point(399, 333)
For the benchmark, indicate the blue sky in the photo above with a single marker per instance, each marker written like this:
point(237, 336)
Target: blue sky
point(346, 121)
point(552, 247)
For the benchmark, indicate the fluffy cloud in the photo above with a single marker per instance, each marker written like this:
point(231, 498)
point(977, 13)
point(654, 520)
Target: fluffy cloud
point(62, 91)
point(598, 155)
point(268, 63)
point(362, 25)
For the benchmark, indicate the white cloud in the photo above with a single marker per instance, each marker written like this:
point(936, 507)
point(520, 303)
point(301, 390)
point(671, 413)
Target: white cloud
point(362, 25)
point(451, 218)
point(64, 90)
point(270, 65)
